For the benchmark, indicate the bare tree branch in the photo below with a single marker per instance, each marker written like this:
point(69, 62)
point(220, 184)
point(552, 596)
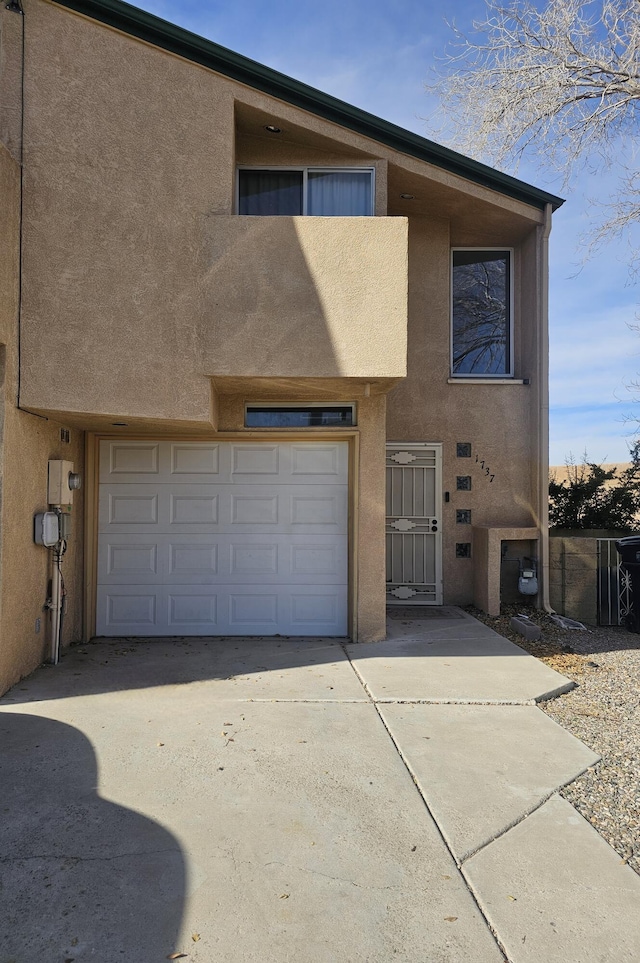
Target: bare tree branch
point(561, 81)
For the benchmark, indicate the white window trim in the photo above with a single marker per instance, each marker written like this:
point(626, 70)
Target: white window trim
point(305, 171)
point(473, 375)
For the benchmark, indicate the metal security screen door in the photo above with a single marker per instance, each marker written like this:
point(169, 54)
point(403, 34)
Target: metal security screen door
point(414, 539)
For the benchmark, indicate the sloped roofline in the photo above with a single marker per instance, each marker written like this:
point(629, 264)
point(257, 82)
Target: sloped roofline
point(154, 30)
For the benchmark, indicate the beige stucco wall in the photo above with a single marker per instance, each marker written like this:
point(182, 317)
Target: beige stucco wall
point(27, 442)
point(573, 578)
point(498, 420)
point(267, 296)
point(137, 275)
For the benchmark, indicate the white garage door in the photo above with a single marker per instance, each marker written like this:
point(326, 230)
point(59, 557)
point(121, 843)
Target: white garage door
point(204, 538)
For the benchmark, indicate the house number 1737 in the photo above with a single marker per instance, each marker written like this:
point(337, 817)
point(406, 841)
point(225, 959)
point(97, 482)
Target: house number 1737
point(485, 468)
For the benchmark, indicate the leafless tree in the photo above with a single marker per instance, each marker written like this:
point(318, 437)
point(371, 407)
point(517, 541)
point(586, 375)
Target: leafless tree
point(560, 79)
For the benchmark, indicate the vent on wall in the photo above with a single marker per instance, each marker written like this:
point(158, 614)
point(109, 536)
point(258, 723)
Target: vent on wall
point(65, 435)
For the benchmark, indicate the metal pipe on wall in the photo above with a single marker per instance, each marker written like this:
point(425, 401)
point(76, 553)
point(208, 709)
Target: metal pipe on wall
point(56, 602)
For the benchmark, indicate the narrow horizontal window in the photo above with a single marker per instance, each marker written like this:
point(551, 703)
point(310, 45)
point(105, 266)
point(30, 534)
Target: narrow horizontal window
point(318, 192)
point(299, 416)
point(481, 313)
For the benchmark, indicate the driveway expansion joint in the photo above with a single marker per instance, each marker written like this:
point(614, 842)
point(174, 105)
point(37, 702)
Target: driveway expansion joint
point(455, 702)
point(445, 842)
point(516, 822)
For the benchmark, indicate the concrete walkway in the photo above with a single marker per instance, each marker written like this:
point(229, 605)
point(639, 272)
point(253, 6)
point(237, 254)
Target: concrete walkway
point(278, 799)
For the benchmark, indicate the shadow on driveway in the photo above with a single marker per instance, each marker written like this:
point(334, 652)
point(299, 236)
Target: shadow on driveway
point(81, 876)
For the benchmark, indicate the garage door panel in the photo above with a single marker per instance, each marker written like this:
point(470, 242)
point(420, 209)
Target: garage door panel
point(138, 462)
point(191, 610)
point(324, 463)
point(130, 610)
point(127, 508)
point(255, 460)
point(251, 559)
point(191, 509)
point(151, 507)
point(124, 460)
point(223, 508)
point(209, 559)
point(190, 561)
point(221, 610)
point(222, 538)
point(309, 609)
point(160, 610)
point(130, 560)
point(194, 462)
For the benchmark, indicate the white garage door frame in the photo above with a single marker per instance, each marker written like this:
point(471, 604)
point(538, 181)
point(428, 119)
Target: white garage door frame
point(92, 501)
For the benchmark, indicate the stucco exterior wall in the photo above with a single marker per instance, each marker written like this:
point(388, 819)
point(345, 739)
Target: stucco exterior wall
point(27, 442)
point(175, 290)
point(277, 296)
point(573, 578)
point(499, 421)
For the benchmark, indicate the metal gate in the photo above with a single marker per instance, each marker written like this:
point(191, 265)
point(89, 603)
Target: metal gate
point(414, 537)
point(614, 589)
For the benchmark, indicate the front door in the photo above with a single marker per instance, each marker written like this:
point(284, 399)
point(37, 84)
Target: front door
point(413, 526)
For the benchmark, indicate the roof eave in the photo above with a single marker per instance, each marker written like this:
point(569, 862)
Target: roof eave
point(151, 29)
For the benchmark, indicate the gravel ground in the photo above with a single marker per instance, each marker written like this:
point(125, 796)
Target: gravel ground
point(603, 711)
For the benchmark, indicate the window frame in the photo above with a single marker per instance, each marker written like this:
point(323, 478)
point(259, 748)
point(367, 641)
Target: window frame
point(509, 374)
point(295, 405)
point(305, 178)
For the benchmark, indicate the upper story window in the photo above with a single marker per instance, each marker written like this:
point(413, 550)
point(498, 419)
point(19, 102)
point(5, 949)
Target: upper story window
point(323, 192)
point(482, 324)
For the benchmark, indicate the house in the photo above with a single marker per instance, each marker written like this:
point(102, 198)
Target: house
point(250, 316)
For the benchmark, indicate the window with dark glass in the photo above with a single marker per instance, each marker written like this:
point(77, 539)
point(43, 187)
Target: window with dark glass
point(481, 313)
point(320, 193)
point(270, 192)
point(299, 416)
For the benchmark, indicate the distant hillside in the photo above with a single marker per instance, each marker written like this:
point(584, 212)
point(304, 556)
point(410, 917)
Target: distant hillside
point(560, 473)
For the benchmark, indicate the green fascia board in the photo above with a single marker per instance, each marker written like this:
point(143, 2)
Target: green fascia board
point(145, 26)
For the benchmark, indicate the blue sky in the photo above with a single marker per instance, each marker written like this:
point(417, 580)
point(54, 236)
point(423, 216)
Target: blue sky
point(377, 55)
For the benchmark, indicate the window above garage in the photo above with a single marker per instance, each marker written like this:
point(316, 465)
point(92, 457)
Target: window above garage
point(482, 313)
point(299, 416)
point(313, 191)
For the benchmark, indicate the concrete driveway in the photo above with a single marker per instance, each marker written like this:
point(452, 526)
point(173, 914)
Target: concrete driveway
point(283, 799)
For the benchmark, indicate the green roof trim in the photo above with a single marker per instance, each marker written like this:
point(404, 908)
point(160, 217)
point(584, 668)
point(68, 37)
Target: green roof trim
point(145, 26)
